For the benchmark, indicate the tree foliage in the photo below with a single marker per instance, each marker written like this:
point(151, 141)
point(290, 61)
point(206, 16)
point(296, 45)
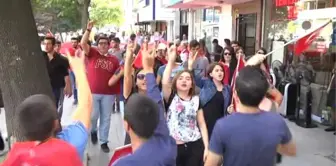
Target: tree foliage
point(57, 15)
point(106, 12)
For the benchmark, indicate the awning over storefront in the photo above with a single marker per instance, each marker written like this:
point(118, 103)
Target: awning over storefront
point(191, 4)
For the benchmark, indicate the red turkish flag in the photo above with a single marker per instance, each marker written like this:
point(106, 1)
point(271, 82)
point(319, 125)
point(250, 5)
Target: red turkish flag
point(121, 152)
point(304, 42)
point(137, 63)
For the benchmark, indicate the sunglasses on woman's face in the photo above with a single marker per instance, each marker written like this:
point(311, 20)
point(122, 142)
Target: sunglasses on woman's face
point(226, 53)
point(259, 52)
point(141, 76)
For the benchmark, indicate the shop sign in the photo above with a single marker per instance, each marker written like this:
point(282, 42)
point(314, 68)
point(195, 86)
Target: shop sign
point(280, 3)
point(292, 12)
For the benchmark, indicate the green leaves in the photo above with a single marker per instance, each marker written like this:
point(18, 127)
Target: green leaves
point(64, 14)
point(106, 12)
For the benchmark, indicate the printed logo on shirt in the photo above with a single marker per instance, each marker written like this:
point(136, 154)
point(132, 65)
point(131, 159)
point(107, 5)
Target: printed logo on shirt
point(104, 64)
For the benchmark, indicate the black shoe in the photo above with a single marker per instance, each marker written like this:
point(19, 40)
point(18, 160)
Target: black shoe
point(105, 148)
point(332, 128)
point(94, 138)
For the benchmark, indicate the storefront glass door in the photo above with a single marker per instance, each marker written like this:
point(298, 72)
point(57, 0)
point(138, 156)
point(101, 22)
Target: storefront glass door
point(246, 30)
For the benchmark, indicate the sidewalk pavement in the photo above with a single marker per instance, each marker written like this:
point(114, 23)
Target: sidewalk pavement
point(314, 146)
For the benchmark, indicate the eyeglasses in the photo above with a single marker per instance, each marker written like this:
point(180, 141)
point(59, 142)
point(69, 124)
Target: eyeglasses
point(102, 43)
point(227, 53)
point(260, 52)
point(141, 76)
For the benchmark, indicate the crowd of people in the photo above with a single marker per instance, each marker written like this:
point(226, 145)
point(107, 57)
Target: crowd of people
point(181, 105)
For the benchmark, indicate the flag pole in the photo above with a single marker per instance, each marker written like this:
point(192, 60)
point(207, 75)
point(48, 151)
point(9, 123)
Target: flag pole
point(295, 39)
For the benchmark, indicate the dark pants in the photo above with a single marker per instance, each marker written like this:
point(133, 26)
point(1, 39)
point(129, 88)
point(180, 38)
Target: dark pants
point(73, 83)
point(190, 154)
point(59, 98)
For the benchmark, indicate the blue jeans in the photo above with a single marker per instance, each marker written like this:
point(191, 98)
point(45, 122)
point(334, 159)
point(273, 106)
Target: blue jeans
point(102, 110)
point(59, 98)
point(73, 83)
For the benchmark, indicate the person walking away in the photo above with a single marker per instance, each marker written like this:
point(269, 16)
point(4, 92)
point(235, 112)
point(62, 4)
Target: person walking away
point(261, 133)
point(101, 67)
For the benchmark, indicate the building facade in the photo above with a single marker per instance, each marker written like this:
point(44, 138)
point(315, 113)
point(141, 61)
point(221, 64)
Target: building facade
point(153, 16)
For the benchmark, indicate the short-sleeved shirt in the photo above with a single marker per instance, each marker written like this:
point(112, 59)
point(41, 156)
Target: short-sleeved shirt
point(57, 69)
point(100, 69)
point(53, 152)
point(174, 71)
point(76, 135)
point(200, 66)
point(249, 139)
point(182, 118)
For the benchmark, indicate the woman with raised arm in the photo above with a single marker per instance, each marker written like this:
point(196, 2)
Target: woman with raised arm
point(144, 119)
point(215, 96)
point(185, 117)
point(139, 85)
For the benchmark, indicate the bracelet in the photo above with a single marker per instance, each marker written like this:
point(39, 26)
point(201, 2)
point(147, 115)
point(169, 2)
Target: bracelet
point(89, 30)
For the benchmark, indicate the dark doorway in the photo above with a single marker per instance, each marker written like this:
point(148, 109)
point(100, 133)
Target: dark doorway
point(246, 32)
point(184, 31)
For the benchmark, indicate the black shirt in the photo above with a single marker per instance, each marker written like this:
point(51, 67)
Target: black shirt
point(57, 68)
point(213, 111)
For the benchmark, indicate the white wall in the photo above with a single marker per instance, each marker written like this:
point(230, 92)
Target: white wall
point(225, 24)
point(162, 13)
point(146, 12)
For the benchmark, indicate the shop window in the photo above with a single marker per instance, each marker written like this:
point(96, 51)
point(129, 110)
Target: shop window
point(184, 17)
point(211, 15)
point(282, 23)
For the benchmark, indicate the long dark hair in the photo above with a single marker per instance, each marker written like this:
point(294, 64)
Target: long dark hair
point(192, 90)
point(233, 63)
point(265, 61)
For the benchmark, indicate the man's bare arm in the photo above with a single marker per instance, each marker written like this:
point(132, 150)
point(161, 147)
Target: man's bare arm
point(84, 42)
point(213, 159)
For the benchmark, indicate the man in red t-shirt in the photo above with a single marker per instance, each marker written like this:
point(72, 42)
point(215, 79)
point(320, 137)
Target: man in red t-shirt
point(100, 68)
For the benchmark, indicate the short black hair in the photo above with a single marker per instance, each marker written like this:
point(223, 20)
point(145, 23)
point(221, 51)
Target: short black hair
point(251, 86)
point(133, 36)
point(52, 39)
point(235, 42)
point(194, 43)
point(36, 116)
point(103, 38)
point(75, 38)
point(142, 114)
point(227, 42)
point(58, 42)
point(215, 41)
point(116, 39)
